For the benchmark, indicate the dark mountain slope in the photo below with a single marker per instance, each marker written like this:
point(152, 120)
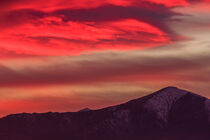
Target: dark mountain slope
point(170, 113)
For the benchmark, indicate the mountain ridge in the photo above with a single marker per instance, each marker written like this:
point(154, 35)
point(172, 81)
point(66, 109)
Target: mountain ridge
point(165, 114)
point(88, 109)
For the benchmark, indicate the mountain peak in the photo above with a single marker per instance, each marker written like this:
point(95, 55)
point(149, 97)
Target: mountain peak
point(84, 110)
point(171, 87)
point(171, 91)
point(168, 94)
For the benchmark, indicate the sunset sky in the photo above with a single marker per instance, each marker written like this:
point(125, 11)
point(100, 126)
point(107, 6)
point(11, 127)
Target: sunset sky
point(65, 55)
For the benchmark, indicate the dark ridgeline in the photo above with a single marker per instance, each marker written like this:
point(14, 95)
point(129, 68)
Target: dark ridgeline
point(168, 114)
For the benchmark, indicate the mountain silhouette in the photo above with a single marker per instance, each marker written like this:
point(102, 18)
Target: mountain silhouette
point(168, 114)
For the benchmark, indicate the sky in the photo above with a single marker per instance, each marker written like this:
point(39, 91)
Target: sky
point(66, 55)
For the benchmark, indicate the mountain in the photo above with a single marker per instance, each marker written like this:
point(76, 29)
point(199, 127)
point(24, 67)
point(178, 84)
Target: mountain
point(168, 114)
point(84, 110)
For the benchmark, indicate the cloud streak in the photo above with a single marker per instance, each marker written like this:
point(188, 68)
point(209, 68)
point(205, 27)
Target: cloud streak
point(130, 68)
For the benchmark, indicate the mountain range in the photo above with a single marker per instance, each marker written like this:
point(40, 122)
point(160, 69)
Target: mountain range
point(168, 114)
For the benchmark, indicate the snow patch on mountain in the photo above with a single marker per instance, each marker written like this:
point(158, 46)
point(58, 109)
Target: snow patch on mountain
point(207, 105)
point(162, 101)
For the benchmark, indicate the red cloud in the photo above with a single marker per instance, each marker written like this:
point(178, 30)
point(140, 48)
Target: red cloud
point(61, 27)
point(78, 4)
point(73, 32)
point(76, 38)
